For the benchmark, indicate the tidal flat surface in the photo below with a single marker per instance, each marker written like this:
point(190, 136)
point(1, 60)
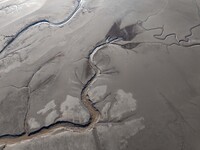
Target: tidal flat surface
point(100, 75)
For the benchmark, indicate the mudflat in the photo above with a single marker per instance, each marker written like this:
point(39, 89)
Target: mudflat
point(99, 75)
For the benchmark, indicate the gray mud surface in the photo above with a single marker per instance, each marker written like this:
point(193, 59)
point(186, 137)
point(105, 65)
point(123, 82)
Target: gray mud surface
point(100, 75)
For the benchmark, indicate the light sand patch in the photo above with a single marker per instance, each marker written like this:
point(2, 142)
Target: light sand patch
point(51, 117)
point(124, 104)
point(72, 110)
point(49, 106)
point(33, 124)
